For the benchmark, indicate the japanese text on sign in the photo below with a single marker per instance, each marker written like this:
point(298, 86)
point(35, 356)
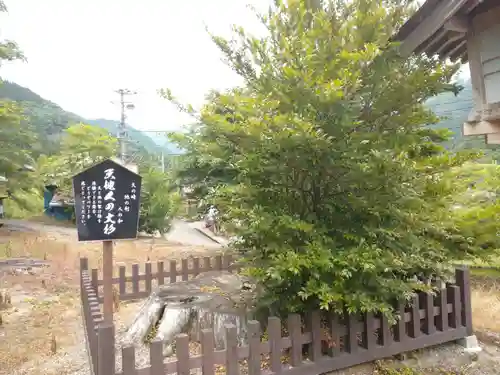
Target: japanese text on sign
point(107, 202)
point(109, 199)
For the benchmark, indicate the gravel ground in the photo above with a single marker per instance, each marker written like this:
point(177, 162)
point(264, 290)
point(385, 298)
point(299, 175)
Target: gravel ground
point(446, 359)
point(67, 361)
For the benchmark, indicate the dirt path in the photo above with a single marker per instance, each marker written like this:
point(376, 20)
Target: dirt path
point(181, 233)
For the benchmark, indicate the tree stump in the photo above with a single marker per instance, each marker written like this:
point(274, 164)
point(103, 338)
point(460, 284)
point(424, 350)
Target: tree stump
point(210, 300)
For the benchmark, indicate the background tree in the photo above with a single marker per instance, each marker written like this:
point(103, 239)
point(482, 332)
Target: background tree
point(475, 212)
point(85, 145)
point(160, 202)
point(81, 147)
point(9, 50)
point(341, 193)
point(13, 138)
point(202, 171)
point(16, 141)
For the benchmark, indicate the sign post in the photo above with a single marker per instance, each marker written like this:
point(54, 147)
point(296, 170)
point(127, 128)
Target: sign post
point(107, 279)
point(107, 205)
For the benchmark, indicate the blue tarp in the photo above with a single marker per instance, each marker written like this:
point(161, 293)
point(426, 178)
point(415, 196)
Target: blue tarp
point(62, 212)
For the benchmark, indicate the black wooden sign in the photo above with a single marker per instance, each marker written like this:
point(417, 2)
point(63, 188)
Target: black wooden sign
point(107, 202)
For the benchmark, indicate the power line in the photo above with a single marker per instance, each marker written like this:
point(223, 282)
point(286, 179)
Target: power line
point(122, 141)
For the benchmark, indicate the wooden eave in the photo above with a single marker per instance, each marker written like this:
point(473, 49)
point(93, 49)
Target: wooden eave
point(431, 29)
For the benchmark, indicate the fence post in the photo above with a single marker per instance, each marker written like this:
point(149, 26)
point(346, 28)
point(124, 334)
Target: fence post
point(184, 269)
point(95, 279)
point(135, 279)
point(84, 266)
point(173, 271)
point(128, 361)
point(295, 333)
point(232, 367)
point(182, 353)
point(254, 356)
point(313, 323)
point(156, 357)
point(274, 333)
point(106, 349)
point(122, 276)
point(462, 276)
point(207, 351)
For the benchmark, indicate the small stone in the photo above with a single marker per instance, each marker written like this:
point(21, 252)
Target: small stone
point(470, 344)
point(401, 356)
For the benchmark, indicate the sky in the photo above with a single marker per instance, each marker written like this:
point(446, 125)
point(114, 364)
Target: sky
point(80, 51)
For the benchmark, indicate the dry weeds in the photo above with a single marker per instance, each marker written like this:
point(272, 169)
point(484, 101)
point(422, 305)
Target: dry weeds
point(42, 321)
point(486, 304)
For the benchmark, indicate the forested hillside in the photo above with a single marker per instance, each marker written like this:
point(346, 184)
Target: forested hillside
point(48, 120)
point(454, 110)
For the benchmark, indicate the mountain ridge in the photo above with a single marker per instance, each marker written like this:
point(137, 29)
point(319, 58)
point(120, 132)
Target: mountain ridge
point(49, 120)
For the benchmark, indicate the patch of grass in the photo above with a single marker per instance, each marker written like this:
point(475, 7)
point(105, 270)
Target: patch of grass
point(31, 328)
point(485, 295)
point(486, 272)
point(43, 322)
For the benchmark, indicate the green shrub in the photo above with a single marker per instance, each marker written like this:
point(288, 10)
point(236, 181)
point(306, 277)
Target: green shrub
point(337, 192)
point(159, 202)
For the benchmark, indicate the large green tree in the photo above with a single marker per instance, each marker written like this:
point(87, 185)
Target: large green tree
point(339, 191)
point(81, 147)
point(9, 50)
point(13, 137)
point(16, 141)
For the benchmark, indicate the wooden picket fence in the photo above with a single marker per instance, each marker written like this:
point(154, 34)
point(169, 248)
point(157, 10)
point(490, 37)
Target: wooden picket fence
point(429, 319)
point(129, 286)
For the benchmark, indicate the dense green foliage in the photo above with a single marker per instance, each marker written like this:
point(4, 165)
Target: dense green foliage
point(81, 146)
point(340, 192)
point(160, 202)
point(15, 139)
point(477, 210)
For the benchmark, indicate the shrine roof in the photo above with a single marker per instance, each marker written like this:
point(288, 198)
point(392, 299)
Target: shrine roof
point(430, 29)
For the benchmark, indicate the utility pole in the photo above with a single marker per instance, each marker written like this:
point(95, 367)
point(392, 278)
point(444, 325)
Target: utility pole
point(122, 134)
point(163, 161)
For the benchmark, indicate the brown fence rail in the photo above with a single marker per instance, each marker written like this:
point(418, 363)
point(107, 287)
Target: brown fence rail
point(91, 313)
point(177, 271)
point(429, 319)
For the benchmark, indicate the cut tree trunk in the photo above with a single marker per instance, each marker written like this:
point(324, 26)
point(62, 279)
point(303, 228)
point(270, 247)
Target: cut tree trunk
point(210, 300)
